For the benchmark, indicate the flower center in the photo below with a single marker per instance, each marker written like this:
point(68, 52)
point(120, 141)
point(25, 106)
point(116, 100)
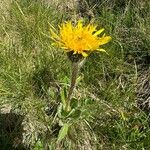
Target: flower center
point(79, 38)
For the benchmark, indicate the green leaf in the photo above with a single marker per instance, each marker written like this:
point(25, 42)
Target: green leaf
point(79, 79)
point(38, 146)
point(59, 110)
point(63, 98)
point(76, 114)
point(74, 103)
point(63, 132)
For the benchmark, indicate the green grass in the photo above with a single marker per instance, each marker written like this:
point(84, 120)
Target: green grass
point(32, 74)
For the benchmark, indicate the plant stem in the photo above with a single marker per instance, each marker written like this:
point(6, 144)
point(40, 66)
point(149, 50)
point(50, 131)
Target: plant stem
point(74, 74)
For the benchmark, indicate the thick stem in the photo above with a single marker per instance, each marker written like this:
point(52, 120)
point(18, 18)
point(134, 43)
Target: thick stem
point(74, 74)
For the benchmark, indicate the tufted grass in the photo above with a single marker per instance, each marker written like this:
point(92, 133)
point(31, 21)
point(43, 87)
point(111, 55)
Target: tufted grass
point(32, 74)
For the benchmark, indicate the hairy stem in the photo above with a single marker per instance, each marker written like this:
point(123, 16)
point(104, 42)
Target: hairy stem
point(74, 74)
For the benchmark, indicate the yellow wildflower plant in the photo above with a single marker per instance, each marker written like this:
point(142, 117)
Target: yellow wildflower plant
point(79, 39)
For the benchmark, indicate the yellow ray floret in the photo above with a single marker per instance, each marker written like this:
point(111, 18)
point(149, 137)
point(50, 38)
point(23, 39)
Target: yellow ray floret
point(78, 38)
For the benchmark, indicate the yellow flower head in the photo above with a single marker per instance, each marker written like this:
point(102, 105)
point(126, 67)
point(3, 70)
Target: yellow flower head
point(79, 39)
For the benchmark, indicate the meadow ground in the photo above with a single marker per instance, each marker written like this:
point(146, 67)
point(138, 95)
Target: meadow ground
point(33, 75)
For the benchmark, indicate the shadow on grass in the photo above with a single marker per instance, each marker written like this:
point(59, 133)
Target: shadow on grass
point(42, 80)
point(11, 130)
